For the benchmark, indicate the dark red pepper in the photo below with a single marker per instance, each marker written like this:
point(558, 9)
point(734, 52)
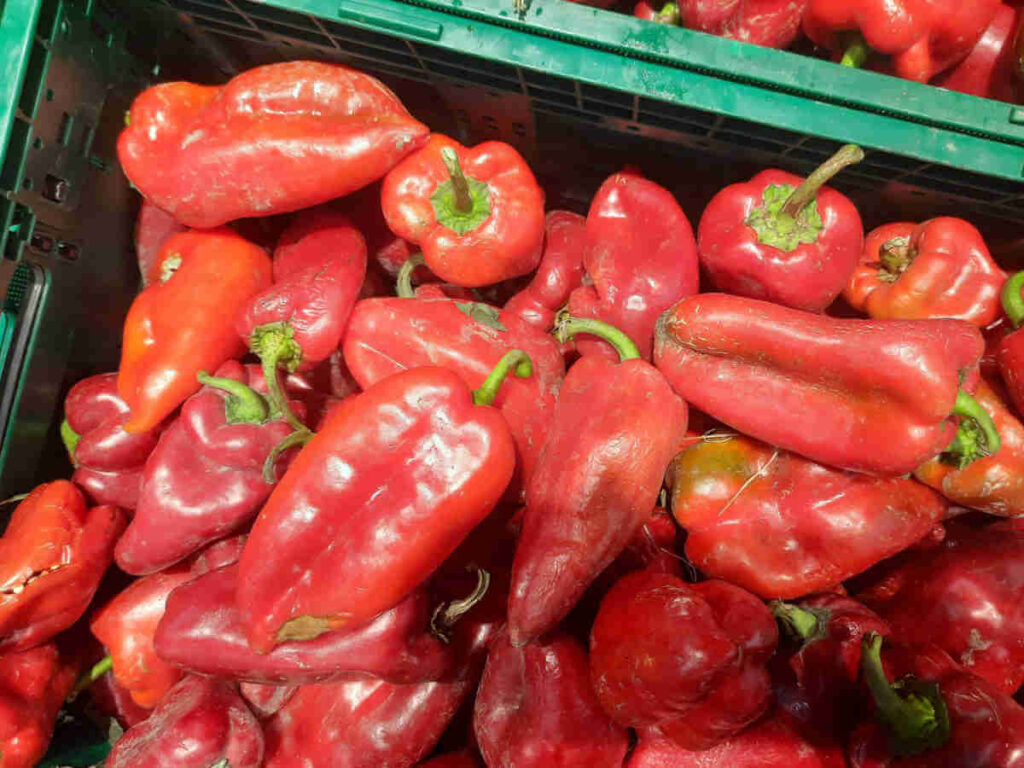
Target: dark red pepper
point(266, 700)
point(990, 70)
point(114, 700)
point(452, 760)
point(153, 227)
point(1010, 350)
point(772, 23)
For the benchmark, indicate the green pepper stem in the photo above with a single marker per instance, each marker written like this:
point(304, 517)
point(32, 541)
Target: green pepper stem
point(976, 426)
point(70, 438)
point(856, 53)
point(243, 405)
point(798, 622)
point(515, 360)
point(567, 326)
point(90, 676)
point(460, 187)
point(275, 345)
point(403, 285)
point(446, 615)
point(298, 437)
point(1013, 302)
point(847, 155)
point(669, 14)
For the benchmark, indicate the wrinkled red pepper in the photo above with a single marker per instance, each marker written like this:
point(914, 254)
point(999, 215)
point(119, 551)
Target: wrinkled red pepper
point(990, 70)
point(535, 708)
point(772, 23)
point(274, 139)
point(686, 658)
point(1010, 349)
point(613, 432)
point(201, 722)
point(941, 268)
point(783, 526)
point(53, 554)
point(873, 396)
point(640, 258)
point(782, 238)
point(153, 228)
point(667, 14)
point(477, 214)
point(108, 460)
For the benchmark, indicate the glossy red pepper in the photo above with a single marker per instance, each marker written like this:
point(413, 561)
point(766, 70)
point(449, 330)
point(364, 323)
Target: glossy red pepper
point(477, 214)
point(535, 708)
point(613, 432)
point(990, 70)
point(921, 38)
point(941, 268)
point(289, 135)
point(153, 228)
point(772, 23)
point(205, 480)
point(963, 595)
point(33, 686)
point(686, 658)
point(873, 396)
point(783, 526)
point(781, 238)
point(668, 14)
point(108, 460)
point(201, 722)
point(640, 259)
point(52, 556)
point(1010, 349)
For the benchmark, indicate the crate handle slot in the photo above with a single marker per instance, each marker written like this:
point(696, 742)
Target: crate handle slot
point(369, 14)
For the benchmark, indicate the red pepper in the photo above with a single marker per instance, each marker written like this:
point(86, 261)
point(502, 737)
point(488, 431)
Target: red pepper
point(126, 626)
point(613, 432)
point(153, 228)
point(535, 708)
point(344, 537)
point(937, 716)
point(200, 723)
point(941, 268)
point(687, 658)
point(205, 480)
point(114, 700)
point(108, 461)
point(477, 214)
point(1010, 349)
point(990, 68)
point(275, 139)
point(669, 13)
point(33, 686)
point(640, 259)
point(385, 250)
point(773, 23)
point(266, 700)
point(921, 38)
point(872, 396)
point(184, 322)
point(782, 526)
point(963, 595)
point(52, 556)
point(782, 238)
point(560, 271)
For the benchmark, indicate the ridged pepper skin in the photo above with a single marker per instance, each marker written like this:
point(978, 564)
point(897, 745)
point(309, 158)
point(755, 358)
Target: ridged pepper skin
point(201, 632)
point(205, 479)
point(687, 659)
point(275, 139)
point(199, 723)
point(640, 258)
point(990, 68)
point(108, 460)
point(344, 537)
point(33, 686)
point(53, 554)
point(535, 708)
point(1010, 348)
point(126, 626)
point(964, 596)
point(772, 743)
point(772, 23)
point(153, 228)
point(921, 38)
point(782, 238)
point(940, 268)
point(870, 396)
point(477, 214)
point(183, 322)
point(782, 526)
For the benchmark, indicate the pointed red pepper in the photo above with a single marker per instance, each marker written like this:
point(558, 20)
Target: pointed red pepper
point(990, 70)
point(773, 23)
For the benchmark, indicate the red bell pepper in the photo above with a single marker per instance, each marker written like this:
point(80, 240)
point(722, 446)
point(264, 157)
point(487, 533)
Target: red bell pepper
point(772, 23)
point(686, 658)
point(781, 238)
point(108, 460)
point(613, 432)
point(990, 70)
point(535, 708)
point(782, 526)
point(275, 139)
point(153, 228)
point(201, 722)
point(184, 322)
point(921, 38)
point(33, 686)
point(873, 396)
point(300, 577)
point(1010, 349)
point(205, 479)
point(668, 14)
point(937, 715)
point(559, 273)
point(963, 595)
point(640, 258)
point(477, 214)
point(941, 268)
point(266, 700)
point(52, 556)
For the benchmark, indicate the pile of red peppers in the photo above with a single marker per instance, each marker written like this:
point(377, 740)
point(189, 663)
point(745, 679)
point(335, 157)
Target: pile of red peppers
point(426, 474)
